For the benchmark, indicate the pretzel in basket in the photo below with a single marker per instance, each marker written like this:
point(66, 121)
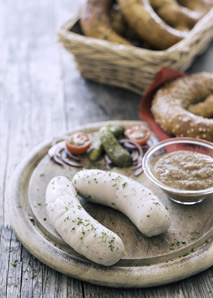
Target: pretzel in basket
point(145, 21)
point(176, 15)
point(95, 21)
point(159, 23)
point(172, 104)
point(202, 6)
point(120, 25)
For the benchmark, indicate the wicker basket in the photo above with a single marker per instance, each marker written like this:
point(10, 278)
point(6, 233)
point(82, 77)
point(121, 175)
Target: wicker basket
point(128, 66)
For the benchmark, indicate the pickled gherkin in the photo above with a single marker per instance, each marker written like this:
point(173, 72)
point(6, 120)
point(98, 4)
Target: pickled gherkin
point(118, 155)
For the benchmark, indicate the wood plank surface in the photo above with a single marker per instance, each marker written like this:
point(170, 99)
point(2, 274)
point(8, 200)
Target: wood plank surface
point(42, 95)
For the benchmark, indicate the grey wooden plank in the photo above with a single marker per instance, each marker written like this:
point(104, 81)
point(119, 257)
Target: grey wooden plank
point(32, 276)
point(4, 99)
point(4, 258)
point(200, 285)
point(93, 102)
point(57, 285)
point(173, 291)
point(75, 288)
point(12, 263)
point(204, 62)
point(4, 136)
point(60, 286)
point(54, 283)
point(36, 114)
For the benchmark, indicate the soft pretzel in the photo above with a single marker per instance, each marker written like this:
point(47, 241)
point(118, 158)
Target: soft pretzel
point(171, 102)
point(122, 28)
point(120, 25)
point(117, 21)
point(95, 21)
point(175, 15)
point(204, 108)
point(143, 19)
point(198, 5)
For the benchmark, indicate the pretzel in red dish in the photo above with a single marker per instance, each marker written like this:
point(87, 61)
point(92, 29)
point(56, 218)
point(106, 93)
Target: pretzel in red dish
point(171, 104)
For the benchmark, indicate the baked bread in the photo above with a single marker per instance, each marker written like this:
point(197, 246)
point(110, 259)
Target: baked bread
point(158, 23)
point(202, 6)
point(203, 108)
point(175, 15)
point(171, 102)
point(95, 21)
point(149, 26)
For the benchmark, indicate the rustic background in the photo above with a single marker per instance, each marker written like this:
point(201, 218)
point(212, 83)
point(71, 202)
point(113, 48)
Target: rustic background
point(41, 95)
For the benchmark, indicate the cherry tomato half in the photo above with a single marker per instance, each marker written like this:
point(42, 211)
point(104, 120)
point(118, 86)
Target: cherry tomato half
point(138, 133)
point(78, 142)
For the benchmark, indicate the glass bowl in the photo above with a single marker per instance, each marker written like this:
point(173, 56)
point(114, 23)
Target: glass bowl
point(172, 146)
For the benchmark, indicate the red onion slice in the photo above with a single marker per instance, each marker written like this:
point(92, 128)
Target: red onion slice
point(139, 165)
point(58, 154)
point(108, 162)
point(68, 161)
point(139, 171)
point(58, 151)
point(70, 155)
point(57, 160)
point(52, 150)
point(127, 144)
point(137, 162)
point(135, 144)
point(135, 156)
point(145, 147)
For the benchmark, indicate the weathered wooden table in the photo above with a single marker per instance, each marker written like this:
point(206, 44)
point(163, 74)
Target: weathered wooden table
point(42, 95)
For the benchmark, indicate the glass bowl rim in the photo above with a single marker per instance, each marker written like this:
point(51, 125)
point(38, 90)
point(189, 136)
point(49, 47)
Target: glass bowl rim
point(172, 141)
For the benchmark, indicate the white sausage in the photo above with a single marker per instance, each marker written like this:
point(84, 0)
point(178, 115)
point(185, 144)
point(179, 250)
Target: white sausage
point(134, 200)
point(78, 229)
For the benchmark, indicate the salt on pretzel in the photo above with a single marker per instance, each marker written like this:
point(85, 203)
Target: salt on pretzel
point(171, 102)
point(175, 15)
point(95, 21)
point(143, 19)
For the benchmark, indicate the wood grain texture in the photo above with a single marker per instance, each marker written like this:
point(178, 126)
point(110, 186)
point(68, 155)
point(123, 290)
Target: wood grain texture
point(41, 95)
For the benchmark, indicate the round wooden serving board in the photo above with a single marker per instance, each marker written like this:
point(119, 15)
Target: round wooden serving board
point(186, 249)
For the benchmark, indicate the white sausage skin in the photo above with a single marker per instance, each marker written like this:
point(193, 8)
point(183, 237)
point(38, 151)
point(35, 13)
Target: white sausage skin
point(133, 199)
point(78, 229)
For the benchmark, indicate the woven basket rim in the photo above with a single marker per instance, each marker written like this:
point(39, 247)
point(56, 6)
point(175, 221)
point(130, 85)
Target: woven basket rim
point(65, 33)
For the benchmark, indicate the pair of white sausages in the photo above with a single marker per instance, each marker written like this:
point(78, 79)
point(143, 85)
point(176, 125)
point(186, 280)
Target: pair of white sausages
point(82, 232)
